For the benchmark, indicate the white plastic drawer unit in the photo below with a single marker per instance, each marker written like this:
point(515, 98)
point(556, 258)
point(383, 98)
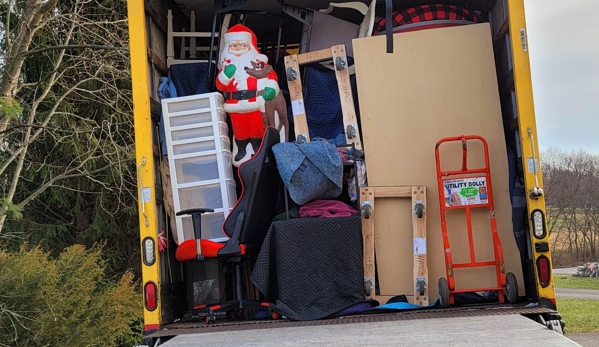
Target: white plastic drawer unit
point(200, 161)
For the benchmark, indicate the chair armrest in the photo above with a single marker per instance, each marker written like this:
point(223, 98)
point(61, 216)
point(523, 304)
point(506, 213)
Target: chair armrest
point(196, 216)
point(232, 247)
point(194, 210)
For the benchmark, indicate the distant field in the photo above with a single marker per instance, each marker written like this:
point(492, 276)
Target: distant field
point(573, 237)
point(563, 256)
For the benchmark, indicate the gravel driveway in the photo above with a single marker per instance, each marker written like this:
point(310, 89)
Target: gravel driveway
point(577, 293)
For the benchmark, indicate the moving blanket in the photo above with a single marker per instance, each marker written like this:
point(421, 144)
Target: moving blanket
point(311, 268)
point(310, 171)
point(191, 79)
point(322, 102)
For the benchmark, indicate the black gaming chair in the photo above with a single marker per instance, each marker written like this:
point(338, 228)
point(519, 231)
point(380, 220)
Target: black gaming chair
point(246, 225)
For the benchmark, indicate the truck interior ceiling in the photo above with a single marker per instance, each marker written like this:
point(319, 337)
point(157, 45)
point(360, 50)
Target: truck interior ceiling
point(285, 27)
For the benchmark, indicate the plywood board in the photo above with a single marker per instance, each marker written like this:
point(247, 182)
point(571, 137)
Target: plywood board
point(437, 83)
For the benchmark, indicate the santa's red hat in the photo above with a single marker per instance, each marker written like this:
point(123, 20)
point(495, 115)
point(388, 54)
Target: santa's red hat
point(241, 33)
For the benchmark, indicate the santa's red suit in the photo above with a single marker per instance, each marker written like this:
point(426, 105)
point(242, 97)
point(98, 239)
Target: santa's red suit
point(244, 95)
point(243, 104)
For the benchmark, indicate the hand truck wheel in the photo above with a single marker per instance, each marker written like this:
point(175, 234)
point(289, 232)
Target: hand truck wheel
point(511, 288)
point(443, 292)
point(366, 211)
point(419, 210)
point(367, 287)
point(291, 74)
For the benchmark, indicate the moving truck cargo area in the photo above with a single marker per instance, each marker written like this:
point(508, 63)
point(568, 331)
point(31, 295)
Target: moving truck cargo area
point(317, 170)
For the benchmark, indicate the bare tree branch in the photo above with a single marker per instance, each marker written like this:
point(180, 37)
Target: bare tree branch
point(46, 49)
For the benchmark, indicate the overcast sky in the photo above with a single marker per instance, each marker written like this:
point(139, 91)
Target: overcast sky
point(564, 52)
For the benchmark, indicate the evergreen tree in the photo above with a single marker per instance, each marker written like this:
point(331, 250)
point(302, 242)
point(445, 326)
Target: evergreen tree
point(67, 171)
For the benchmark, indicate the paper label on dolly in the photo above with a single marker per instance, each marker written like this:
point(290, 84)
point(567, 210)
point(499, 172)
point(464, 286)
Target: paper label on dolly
point(532, 164)
point(419, 245)
point(146, 196)
point(465, 191)
point(297, 106)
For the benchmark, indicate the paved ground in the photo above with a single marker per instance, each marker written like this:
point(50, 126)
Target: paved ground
point(585, 339)
point(577, 293)
point(565, 271)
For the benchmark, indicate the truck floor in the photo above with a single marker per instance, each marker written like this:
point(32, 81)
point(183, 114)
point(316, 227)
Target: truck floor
point(494, 330)
point(472, 320)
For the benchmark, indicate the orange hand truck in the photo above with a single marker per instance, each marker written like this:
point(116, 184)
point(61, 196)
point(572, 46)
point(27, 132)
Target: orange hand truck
point(466, 189)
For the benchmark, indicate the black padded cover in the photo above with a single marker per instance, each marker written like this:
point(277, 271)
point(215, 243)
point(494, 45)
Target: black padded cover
point(260, 188)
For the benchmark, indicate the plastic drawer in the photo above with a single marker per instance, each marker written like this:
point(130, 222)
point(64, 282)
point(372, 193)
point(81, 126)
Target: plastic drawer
point(212, 226)
point(208, 196)
point(187, 104)
point(223, 129)
point(221, 115)
point(191, 117)
point(196, 169)
point(194, 133)
point(225, 143)
point(232, 193)
point(194, 147)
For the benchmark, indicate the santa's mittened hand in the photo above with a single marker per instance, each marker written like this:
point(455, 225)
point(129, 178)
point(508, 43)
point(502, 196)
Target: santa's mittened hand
point(269, 93)
point(230, 70)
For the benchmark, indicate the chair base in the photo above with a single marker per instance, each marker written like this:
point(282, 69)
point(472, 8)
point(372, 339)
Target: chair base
point(238, 306)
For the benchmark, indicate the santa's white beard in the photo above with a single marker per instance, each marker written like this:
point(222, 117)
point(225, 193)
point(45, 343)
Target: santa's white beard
point(240, 62)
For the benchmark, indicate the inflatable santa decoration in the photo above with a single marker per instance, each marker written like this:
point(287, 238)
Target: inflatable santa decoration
point(248, 84)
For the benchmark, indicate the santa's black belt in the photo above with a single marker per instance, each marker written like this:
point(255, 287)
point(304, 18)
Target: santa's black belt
point(241, 95)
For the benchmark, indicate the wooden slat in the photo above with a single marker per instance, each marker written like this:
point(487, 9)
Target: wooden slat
point(157, 61)
point(420, 251)
point(345, 94)
point(297, 98)
point(367, 194)
point(392, 192)
point(194, 34)
point(156, 18)
point(420, 267)
point(315, 56)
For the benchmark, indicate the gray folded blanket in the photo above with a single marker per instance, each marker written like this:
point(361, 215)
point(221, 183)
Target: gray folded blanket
point(310, 171)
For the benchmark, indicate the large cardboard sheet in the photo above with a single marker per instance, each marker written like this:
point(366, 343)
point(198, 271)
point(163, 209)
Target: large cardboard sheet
point(437, 83)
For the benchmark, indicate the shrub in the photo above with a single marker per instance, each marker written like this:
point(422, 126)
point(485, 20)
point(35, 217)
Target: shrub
point(65, 301)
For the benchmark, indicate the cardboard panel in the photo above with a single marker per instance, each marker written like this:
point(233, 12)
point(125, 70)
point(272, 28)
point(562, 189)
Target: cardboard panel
point(437, 83)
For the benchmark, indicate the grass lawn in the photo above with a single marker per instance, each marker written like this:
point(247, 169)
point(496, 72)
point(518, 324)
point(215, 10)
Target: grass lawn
point(567, 281)
point(580, 315)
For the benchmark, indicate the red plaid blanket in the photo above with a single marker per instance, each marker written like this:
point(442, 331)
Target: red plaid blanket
point(426, 13)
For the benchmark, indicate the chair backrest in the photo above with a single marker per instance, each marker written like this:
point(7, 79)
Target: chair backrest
point(261, 182)
point(192, 35)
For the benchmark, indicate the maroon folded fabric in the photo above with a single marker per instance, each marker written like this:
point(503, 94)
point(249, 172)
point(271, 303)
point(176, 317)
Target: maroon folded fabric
point(327, 208)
